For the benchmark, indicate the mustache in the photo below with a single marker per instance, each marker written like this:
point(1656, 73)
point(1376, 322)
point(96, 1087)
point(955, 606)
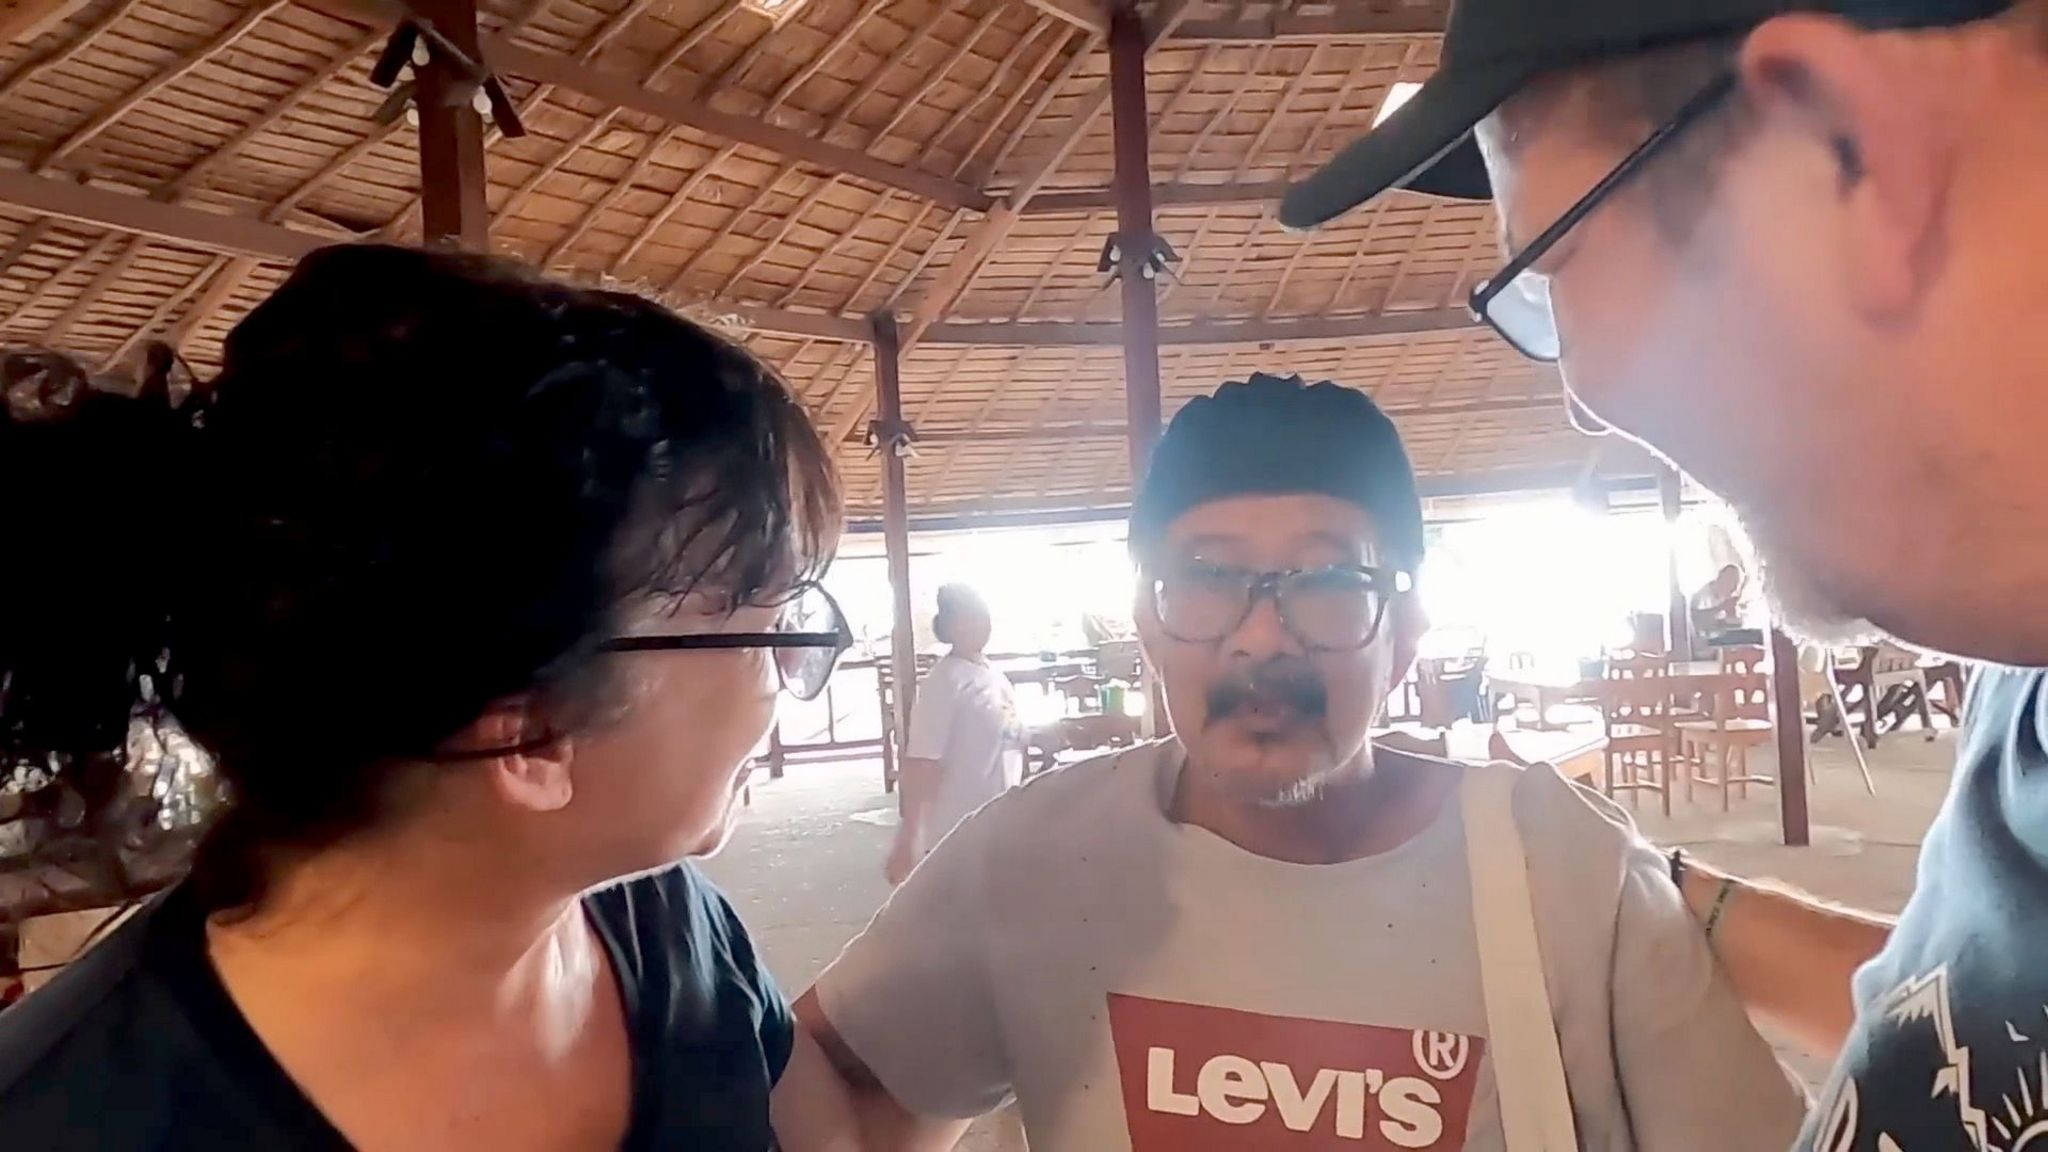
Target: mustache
point(1288, 682)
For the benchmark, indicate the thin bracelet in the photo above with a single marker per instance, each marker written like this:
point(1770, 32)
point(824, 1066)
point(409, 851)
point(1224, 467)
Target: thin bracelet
point(1720, 905)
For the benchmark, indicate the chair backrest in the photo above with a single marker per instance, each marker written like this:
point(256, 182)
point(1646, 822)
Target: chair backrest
point(1637, 667)
point(1742, 659)
point(1889, 657)
point(1641, 701)
point(1744, 696)
point(1082, 690)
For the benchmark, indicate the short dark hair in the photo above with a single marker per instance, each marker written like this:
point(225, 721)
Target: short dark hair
point(423, 482)
point(1273, 434)
point(1625, 98)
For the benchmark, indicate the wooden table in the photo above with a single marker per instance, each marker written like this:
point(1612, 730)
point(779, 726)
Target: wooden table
point(1553, 684)
point(1556, 684)
point(1575, 754)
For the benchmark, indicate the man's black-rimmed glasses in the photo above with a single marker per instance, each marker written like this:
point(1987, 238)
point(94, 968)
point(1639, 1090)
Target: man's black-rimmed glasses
point(1335, 608)
point(810, 637)
point(1516, 302)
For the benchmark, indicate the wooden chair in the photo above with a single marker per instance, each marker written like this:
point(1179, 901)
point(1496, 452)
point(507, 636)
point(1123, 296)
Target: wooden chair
point(1715, 751)
point(1082, 693)
point(1886, 680)
point(1636, 717)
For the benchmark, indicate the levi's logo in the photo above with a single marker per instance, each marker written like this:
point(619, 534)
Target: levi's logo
point(1203, 1079)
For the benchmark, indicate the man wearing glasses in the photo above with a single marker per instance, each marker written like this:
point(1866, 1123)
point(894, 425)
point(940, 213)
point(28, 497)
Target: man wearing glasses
point(1798, 246)
point(1260, 934)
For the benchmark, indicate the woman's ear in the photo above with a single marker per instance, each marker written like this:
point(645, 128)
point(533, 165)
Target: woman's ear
point(533, 772)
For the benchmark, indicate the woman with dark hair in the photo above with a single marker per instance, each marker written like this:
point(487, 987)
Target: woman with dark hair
point(477, 591)
point(966, 745)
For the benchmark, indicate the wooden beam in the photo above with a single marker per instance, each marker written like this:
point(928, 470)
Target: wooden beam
point(1034, 511)
point(453, 184)
point(1163, 196)
point(782, 321)
point(896, 526)
point(1084, 14)
point(950, 284)
point(103, 208)
point(241, 236)
point(1354, 22)
point(625, 92)
point(183, 66)
point(1130, 123)
point(1092, 334)
point(23, 20)
point(1064, 433)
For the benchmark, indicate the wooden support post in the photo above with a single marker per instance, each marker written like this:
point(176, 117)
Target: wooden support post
point(1792, 811)
point(1130, 121)
point(1131, 129)
point(895, 527)
point(1678, 629)
point(452, 181)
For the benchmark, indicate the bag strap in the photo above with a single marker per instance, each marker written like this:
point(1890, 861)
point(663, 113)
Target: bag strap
point(1528, 1071)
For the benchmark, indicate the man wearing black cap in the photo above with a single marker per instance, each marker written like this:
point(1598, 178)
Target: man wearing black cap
point(1262, 934)
point(1798, 247)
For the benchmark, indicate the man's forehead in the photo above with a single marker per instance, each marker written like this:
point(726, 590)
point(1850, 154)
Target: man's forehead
point(1281, 522)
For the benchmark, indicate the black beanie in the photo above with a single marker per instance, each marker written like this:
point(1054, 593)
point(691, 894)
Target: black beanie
point(1270, 435)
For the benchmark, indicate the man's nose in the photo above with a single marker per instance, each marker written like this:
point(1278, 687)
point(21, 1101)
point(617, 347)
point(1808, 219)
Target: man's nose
point(1264, 632)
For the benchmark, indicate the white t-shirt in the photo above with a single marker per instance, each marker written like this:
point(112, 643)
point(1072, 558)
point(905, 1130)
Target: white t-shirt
point(965, 717)
point(1142, 985)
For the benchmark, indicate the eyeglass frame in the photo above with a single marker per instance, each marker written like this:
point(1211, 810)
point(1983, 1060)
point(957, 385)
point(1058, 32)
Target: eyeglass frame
point(840, 642)
point(1692, 111)
point(1261, 585)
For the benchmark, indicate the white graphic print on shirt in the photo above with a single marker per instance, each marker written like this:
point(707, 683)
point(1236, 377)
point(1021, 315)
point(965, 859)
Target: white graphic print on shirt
point(1197, 1078)
point(1949, 1112)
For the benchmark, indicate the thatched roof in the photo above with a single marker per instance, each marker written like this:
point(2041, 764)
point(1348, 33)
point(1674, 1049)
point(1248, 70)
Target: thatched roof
point(792, 166)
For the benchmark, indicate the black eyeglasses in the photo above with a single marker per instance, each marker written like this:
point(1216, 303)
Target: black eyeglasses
point(1516, 303)
point(1337, 608)
point(811, 635)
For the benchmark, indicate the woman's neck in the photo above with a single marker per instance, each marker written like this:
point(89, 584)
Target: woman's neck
point(971, 655)
point(411, 925)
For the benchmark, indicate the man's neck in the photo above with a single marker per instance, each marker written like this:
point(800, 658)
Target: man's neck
point(1379, 802)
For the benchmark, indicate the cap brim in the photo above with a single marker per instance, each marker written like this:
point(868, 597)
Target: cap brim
point(1425, 146)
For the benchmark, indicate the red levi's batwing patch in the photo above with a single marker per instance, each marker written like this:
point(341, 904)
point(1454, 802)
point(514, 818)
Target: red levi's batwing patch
point(1202, 1079)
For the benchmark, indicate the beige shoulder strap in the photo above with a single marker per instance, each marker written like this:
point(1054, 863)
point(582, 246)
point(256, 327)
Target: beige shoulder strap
point(1535, 1106)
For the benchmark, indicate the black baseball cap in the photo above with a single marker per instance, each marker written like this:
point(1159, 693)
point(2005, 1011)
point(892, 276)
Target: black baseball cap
point(1495, 48)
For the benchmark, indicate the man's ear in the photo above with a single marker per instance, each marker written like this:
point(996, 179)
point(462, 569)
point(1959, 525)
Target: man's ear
point(533, 773)
point(1884, 126)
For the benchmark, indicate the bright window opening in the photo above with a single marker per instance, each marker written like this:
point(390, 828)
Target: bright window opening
point(776, 10)
point(1402, 92)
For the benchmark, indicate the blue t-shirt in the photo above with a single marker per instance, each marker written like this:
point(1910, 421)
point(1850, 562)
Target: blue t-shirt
point(138, 1047)
point(1950, 1049)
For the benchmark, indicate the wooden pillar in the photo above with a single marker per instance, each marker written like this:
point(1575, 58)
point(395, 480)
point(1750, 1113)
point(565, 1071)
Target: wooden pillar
point(895, 529)
point(1678, 624)
point(1791, 712)
point(1130, 120)
point(1130, 123)
point(452, 182)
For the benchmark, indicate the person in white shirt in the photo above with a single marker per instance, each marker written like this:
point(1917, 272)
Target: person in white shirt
point(1260, 934)
point(965, 743)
